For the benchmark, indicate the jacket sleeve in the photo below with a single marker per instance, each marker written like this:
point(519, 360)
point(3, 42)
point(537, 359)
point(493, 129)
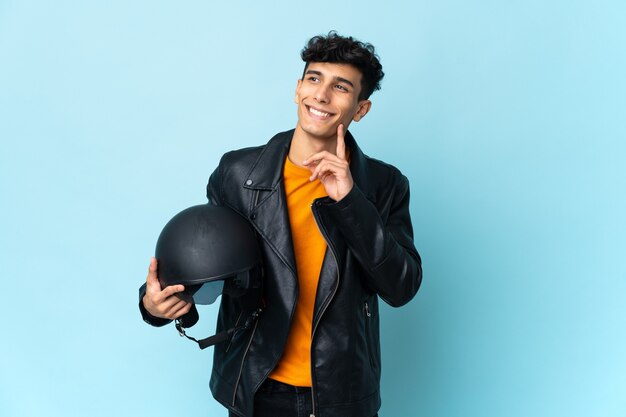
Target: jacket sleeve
point(384, 249)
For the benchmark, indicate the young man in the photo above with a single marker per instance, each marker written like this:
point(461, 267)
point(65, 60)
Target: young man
point(335, 233)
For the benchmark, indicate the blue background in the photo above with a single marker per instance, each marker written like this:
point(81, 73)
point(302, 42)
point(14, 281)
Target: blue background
point(508, 118)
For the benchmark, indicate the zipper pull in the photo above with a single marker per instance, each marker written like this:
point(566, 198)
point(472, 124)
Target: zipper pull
point(367, 311)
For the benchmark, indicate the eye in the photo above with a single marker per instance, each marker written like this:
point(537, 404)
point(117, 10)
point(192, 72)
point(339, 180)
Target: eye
point(341, 87)
point(313, 79)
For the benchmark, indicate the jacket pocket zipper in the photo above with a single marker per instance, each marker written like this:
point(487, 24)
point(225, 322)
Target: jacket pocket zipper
point(243, 361)
point(230, 340)
point(366, 308)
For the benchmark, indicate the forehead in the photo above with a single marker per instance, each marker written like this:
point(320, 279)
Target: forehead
point(336, 70)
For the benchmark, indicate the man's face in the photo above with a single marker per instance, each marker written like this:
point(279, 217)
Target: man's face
point(328, 96)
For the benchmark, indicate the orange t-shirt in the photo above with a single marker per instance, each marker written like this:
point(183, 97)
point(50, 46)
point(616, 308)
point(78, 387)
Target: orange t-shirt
point(309, 247)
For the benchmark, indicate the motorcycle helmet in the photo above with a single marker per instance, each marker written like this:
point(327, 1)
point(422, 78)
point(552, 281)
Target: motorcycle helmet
point(211, 250)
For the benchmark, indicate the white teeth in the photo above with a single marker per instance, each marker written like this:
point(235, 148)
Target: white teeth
point(318, 113)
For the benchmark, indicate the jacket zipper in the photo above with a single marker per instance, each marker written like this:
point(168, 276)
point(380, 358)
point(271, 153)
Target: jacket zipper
point(243, 360)
point(332, 251)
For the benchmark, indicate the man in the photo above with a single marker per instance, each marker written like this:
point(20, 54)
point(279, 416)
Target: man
point(335, 233)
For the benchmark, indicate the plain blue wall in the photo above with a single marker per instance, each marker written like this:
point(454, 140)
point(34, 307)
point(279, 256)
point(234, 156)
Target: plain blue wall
point(507, 117)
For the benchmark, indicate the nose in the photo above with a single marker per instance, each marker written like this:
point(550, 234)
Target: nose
point(321, 94)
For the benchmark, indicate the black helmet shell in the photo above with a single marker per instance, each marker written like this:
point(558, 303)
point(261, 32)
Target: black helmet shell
point(205, 243)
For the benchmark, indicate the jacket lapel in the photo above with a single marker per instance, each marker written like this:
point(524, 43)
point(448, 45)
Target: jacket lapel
point(269, 207)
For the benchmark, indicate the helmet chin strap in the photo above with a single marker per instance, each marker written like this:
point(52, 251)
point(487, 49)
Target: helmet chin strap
point(221, 336)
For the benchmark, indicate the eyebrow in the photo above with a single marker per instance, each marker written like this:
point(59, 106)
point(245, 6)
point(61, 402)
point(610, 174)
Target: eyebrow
point(340, 79)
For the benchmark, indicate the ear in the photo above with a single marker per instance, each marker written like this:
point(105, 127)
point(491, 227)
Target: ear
point(297, 97)
point(363, 108)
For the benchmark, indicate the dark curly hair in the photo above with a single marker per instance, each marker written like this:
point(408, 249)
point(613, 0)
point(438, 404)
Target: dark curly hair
point(346, 50)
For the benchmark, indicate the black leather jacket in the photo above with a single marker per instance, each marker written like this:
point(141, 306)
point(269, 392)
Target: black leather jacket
point(370, 254)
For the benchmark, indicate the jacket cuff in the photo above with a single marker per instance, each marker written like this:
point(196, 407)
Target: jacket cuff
point(353, 195)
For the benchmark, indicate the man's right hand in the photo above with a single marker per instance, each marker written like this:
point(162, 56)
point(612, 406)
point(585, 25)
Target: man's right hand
point(164, 303)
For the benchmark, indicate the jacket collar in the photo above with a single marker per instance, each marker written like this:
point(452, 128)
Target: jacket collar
point(267, 171)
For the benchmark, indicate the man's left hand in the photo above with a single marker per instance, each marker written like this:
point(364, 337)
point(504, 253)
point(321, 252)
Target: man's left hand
point(333, 171)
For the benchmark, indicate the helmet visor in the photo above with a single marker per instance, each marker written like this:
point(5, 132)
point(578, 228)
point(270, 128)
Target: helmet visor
point(205, 293)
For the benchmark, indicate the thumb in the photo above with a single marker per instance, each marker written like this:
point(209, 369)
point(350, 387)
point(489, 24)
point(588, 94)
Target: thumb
point(152, 281)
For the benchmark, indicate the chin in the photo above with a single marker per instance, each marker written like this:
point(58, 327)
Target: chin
point(319, 132)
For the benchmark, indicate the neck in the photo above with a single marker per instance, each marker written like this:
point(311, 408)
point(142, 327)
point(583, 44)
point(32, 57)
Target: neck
point(304, 145)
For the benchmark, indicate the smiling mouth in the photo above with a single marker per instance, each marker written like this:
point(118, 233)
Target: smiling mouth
point(318, 113)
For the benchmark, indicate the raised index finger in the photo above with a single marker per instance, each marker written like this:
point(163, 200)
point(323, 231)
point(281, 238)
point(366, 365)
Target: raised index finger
point(341, 143)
